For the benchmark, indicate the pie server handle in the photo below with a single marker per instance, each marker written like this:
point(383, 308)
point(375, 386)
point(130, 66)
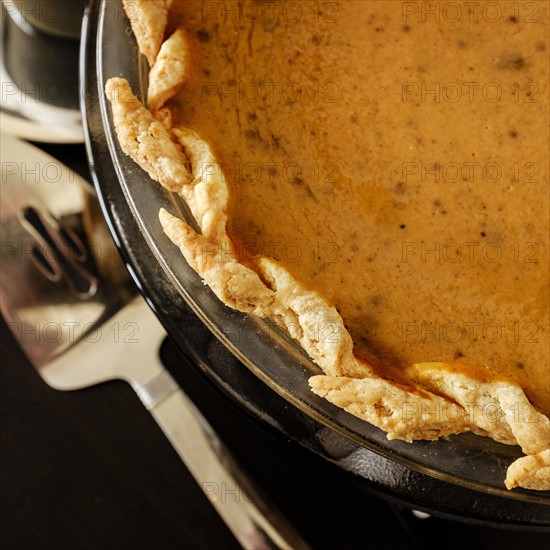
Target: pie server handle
point(255, 523)
point(251, 517)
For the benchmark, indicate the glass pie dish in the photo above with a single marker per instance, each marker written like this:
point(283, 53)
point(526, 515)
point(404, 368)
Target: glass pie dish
point(132, 200)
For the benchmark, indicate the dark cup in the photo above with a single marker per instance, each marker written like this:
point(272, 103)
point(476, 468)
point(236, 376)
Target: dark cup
point(61, 18)
point(43, 66)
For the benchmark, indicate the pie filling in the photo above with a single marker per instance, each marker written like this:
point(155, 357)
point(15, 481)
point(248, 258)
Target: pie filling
point(395, 163)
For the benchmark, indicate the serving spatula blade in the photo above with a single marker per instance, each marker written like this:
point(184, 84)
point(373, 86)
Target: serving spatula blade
point(80, 321)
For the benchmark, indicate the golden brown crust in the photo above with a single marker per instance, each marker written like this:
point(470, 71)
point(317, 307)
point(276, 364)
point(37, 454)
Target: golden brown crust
point(313, 322)
point(399, 410)
point(146, 140)
point(207, 196)
point(168, 74)
point(495, 404)
point(530, 472)
point(234, 284)
point(149, 19)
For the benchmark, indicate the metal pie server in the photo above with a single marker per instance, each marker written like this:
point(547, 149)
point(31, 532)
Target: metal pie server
point(80, 321)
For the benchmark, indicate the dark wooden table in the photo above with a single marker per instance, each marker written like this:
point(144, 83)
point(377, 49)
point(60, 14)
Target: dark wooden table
point(91, 469)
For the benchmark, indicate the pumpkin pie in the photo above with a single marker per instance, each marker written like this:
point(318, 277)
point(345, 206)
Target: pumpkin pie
point(372, 176)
